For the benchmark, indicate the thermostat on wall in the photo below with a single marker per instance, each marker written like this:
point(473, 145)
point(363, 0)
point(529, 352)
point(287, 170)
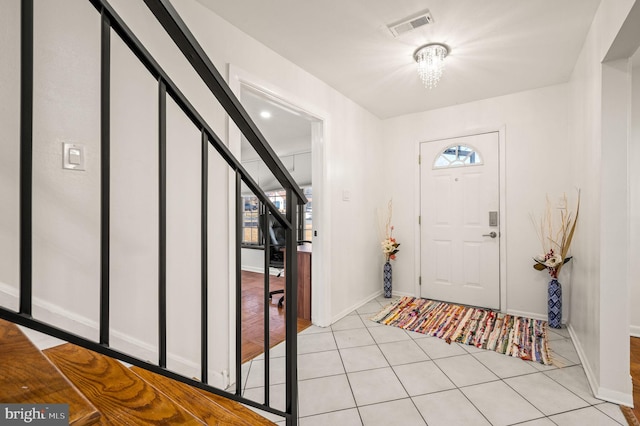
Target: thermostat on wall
point(72, 156)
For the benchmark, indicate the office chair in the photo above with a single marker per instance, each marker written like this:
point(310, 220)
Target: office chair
point(277, 237)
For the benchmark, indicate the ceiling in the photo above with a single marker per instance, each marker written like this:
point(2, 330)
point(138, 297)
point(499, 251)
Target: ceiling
point(497, 46)
point(286, 128)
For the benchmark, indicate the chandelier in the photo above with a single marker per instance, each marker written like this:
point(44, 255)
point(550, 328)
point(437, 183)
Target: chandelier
point(430, 59)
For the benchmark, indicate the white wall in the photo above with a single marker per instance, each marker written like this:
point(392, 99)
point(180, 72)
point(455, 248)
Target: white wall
point(66, 204)
point(634, 202)
point(134, 194)
point(535, 124)
point(599, 305)
point(9, 152)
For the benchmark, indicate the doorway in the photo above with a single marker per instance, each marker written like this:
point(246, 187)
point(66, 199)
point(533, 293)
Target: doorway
point(289, 132)
point(297, 159)
point(460, 220)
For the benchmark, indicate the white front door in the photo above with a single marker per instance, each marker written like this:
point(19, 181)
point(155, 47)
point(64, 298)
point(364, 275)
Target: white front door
point(459, 209)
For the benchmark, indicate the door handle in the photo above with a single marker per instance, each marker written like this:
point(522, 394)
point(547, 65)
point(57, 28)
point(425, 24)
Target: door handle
point(491, 234)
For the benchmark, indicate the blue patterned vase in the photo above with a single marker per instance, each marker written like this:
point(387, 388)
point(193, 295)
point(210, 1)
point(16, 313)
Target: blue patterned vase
point(555, 304)
point(387, 279)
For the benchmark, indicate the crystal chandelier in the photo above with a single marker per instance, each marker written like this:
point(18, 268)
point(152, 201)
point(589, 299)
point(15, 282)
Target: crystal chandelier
point(430, 59)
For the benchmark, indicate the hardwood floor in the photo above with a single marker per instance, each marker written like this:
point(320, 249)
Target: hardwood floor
point(253, 315)
point(635, 375)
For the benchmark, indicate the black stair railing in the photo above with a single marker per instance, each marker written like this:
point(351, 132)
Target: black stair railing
point(186, 42)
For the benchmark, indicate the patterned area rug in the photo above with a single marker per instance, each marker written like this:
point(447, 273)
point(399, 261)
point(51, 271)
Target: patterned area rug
point(519, 337)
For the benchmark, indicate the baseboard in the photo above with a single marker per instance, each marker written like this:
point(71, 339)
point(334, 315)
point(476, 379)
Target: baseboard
point(355, 306)
point(634, 330)
point(400, 294)
point(89, 329)
point(598, 391)
point(588, 371)
point(525, 314)
point(9, 296)
point(532, 315)
point(363, 302)
point(149, 353)
point(615, 397)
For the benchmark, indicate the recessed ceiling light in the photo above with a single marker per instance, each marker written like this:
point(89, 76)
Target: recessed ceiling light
point(265, 114)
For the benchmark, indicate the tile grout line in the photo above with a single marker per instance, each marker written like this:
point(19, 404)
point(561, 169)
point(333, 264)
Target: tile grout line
point(458, 388)
point(604, 403)
point(544, 414)
point(398, 378)
point(578, 409)
point(561, 384)
point(346, 375)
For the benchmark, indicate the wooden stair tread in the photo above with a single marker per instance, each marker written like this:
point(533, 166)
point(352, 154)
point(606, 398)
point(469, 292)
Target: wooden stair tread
point(251, 416)
point(28, 377)
point(122, 397)
point(198, 404)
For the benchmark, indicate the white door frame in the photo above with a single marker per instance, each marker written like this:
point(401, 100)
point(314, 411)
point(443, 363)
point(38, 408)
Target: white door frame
point(321, 259)
point(501, 130)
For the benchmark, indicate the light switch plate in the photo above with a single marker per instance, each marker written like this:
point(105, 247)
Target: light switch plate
point(73, 156)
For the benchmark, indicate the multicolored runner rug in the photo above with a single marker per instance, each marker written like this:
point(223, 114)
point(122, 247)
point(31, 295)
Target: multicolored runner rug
point(519, 337)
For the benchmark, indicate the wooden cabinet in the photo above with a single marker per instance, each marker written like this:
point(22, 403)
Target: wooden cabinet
point(304, 281)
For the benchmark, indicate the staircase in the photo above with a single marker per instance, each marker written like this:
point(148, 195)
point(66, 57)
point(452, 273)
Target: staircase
point(97, 388)
point(101, 390)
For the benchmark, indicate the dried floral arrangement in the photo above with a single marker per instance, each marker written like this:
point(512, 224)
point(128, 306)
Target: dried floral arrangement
point(389, 244)
point(555, 236)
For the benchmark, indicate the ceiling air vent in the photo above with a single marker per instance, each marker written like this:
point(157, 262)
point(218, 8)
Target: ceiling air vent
point(410, 24)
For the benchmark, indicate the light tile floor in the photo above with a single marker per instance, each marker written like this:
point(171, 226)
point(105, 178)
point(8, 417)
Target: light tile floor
point(358, 372)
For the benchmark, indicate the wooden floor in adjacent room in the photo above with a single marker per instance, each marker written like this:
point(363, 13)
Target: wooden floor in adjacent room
point(253, 315)
point(635, 375)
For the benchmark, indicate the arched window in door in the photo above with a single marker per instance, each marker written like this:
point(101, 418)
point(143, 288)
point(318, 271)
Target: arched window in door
point(457, 156)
